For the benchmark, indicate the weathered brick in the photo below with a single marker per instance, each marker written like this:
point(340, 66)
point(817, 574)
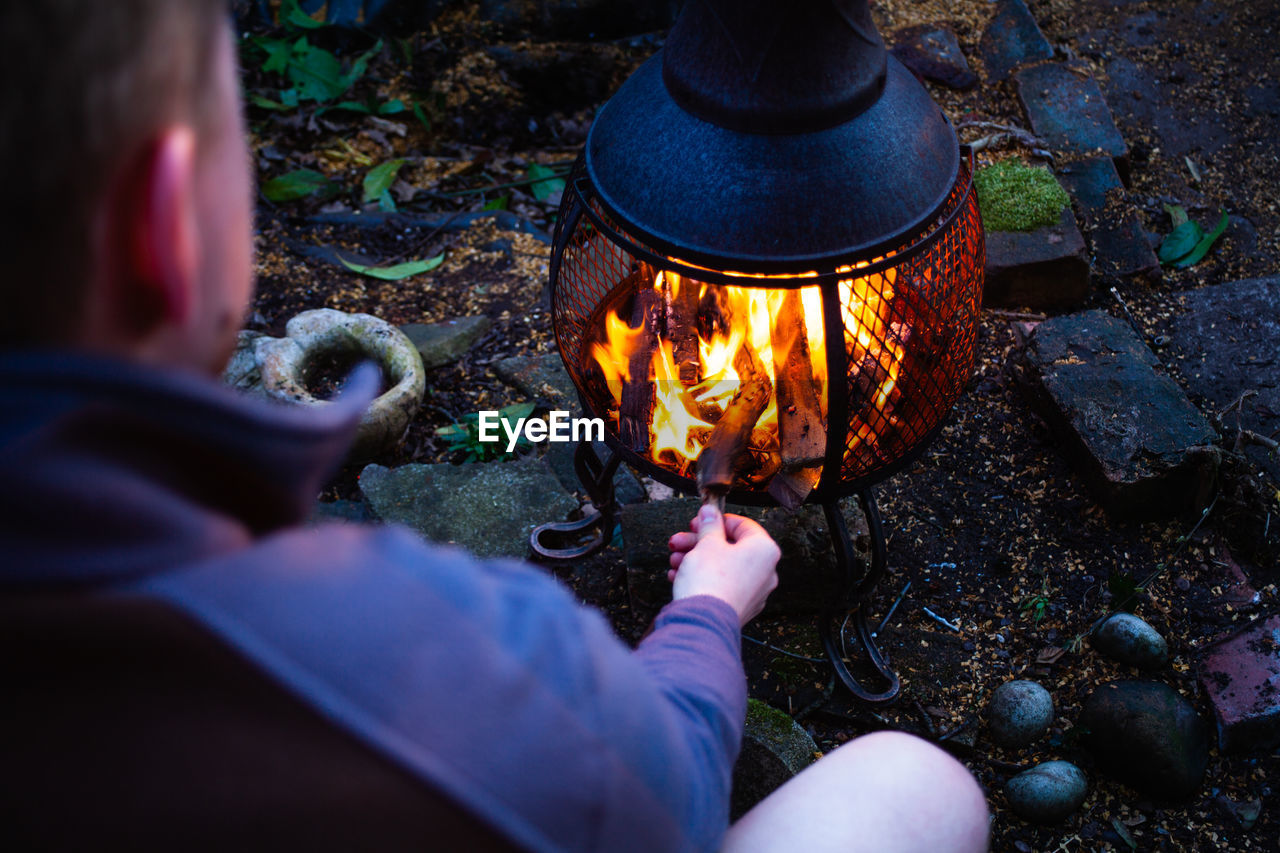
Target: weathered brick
point(1228, 344)
point(1140, 445)
point(1066, 110)
point(1119, 243)
point(1241, 677)
point(1046, 269)
point(1011, 40)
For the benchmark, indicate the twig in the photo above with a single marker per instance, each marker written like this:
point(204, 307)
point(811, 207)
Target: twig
point(943, 622)
point(1248, 436)
point(1125, 308)
point(928, 721)
point(1003, 132)
point(1015, 315)
point(888, 615)
point(521, 183)
point(781, 651)
point(1161, 566)
point(819, 702)
point(1238, 402)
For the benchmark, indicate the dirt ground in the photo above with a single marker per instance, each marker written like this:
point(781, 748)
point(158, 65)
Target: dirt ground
point(993, 529)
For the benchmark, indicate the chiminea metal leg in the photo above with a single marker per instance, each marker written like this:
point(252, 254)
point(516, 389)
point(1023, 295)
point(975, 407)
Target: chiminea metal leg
point(856, 596)
point(597, 478)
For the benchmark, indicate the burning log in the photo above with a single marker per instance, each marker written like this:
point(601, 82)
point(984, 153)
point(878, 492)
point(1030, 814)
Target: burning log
point(802, 437)
point(871, 375)
point(722, 453)
point(635, 410)
point(703, 410)
point(715, 317)
point(680, 303)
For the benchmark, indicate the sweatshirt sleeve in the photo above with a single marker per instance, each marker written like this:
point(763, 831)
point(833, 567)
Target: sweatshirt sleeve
point(489, 682)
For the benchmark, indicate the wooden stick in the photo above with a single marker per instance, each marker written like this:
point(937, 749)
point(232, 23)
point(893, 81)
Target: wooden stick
point(635, 411)
point(680, 302)
point(720, 457)
point(802, 437)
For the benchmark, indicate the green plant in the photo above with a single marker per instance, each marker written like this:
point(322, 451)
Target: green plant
point(1015, 197)
point(1037, 605)
point(1188, 243)
point(464, 435)
point(309, 72)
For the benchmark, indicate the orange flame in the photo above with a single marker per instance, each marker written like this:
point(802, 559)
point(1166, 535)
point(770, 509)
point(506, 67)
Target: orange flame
point(684, 412)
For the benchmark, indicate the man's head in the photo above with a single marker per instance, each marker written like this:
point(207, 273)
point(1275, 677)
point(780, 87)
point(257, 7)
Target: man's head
point(127, 184)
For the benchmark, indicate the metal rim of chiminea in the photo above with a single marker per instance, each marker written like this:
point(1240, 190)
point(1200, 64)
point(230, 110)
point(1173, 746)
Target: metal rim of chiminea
point(778, 145)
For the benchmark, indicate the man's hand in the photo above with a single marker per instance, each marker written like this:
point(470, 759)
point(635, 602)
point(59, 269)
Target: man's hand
point(727, 556)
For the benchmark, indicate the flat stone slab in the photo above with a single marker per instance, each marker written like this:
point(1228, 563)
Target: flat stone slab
point(443, 343)
point(1046, 269)
point(1227, 343)
point(1066, 110)
point(932, 52)
point(1140, 445)
point(488, 508)
point(1012, 40)
point(540, 377)
point(807, 572)
point(1241, 677)
point(1118, 240)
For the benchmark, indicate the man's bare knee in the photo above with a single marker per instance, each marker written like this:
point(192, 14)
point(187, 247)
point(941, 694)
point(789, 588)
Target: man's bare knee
point(886, 791)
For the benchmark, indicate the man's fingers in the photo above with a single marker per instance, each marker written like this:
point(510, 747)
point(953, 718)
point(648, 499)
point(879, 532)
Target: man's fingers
point(682, 541)
point(710, 523)
point(676, 558)
point(737, 528)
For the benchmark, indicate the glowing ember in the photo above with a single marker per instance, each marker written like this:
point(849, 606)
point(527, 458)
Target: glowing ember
point(675, 351)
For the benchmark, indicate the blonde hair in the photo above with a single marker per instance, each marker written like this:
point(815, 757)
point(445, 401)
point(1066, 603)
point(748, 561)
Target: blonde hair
point(83, 85)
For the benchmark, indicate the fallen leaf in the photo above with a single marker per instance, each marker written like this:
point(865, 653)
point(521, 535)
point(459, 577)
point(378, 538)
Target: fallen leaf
point(294, 185)
point(545, 182)
point(1123, 832)
point(1206, 242)
point(1180, 241)
point(380, 178)
point(395, 272)
point(1050, 654)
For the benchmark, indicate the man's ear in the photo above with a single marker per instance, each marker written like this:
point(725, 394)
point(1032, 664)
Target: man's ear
point(156, 229)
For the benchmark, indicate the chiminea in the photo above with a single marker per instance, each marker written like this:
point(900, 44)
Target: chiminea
point(766, 272)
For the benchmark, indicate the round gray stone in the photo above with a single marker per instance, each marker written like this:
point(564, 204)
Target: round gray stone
point(1020, 713)
point(1125, 638)
point(1048, 792)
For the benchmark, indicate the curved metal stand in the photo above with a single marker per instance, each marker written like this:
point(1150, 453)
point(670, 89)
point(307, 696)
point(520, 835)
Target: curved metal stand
point(855, 597)
point(597, 479)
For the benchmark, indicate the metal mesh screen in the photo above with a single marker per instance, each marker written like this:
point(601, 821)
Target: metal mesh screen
point(907, 322)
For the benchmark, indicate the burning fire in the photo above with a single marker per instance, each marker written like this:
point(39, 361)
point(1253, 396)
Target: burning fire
point(674, 358)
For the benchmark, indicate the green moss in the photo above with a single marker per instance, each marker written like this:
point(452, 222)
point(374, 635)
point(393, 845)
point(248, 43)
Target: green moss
point(766, 719)
point(1016, 197)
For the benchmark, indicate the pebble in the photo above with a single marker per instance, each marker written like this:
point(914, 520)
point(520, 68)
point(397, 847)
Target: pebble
point(1125, 638)
point(1020, 713)
point(1048, 792)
